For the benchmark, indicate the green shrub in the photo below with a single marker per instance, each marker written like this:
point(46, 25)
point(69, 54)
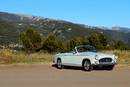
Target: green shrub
point(31, 40)
point(52, 44)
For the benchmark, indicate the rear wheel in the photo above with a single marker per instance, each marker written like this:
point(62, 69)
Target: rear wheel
point(87, 65)
point(59, 64)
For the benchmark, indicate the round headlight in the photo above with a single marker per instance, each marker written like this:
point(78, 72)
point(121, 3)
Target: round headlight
point(116, 57)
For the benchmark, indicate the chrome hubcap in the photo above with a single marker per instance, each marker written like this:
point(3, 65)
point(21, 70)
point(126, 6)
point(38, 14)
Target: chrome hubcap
point(86, 65)
point(59, 63)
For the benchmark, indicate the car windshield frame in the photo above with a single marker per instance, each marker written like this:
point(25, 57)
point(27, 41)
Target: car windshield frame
point(85, 48)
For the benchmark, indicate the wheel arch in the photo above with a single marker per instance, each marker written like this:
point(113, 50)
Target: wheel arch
point(58, 59)
point(85, 60)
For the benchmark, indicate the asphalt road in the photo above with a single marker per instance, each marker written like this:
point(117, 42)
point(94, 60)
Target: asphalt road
point(48, 76)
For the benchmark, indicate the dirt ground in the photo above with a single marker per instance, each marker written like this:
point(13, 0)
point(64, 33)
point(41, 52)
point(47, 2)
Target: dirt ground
point(48, 76)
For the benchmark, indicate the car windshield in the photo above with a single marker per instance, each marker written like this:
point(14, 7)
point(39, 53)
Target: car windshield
point(86, 49)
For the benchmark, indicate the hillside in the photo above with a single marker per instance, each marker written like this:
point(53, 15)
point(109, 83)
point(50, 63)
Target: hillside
point(12, 24)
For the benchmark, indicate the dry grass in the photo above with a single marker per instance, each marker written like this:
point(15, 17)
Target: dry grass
point(7, 56)
point(123, 56)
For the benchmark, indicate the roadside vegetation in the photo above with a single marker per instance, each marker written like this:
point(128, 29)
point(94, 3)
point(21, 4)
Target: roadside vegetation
point(7, 56)
point(123, 56)
point(39, 49)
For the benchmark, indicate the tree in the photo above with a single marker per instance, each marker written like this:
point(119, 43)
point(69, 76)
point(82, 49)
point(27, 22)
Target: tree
point(61, 45)
point(25, 41)
point(72, 43)
point(84, 40)
point(98, 40)
point(103, 41)
point(120, 45)
point(31, 40)
point(52, 44)
point(94, 40)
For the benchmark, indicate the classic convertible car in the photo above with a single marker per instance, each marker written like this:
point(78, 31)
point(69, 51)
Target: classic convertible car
point(85, 56)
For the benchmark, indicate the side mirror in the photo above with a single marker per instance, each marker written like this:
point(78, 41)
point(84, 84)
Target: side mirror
point(74, 52)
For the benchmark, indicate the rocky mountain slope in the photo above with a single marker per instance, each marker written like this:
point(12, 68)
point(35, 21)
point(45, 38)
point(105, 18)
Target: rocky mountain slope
point(11, 25)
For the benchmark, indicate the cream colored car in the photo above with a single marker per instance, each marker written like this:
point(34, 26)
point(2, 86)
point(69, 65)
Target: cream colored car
point(85, 56)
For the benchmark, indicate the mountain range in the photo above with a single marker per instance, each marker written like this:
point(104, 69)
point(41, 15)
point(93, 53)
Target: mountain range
point(11, 25)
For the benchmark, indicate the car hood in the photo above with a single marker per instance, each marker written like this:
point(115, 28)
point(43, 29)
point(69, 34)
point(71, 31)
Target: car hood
point(105, 55)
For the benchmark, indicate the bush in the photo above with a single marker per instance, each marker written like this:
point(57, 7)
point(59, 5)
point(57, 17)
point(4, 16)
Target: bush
point(52, 44)
point(98, 40)
point(72, 43)
point(6, 56)
point(31, 40)
point(120, 45)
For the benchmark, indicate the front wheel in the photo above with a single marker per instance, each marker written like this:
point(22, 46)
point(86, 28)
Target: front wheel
point(87, 65)
point(59, 64)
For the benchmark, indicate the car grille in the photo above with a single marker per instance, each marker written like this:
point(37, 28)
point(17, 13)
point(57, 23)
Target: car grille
point(105, 60)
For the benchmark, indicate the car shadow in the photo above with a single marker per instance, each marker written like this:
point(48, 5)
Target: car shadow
point(69, 67)
point(80, 68)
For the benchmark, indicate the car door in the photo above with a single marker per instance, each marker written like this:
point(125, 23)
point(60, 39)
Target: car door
point(67, 58)
point(77, 58)
point(72, 58)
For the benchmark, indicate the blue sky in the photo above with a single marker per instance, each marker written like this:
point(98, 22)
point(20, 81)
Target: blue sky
point(91, 12)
